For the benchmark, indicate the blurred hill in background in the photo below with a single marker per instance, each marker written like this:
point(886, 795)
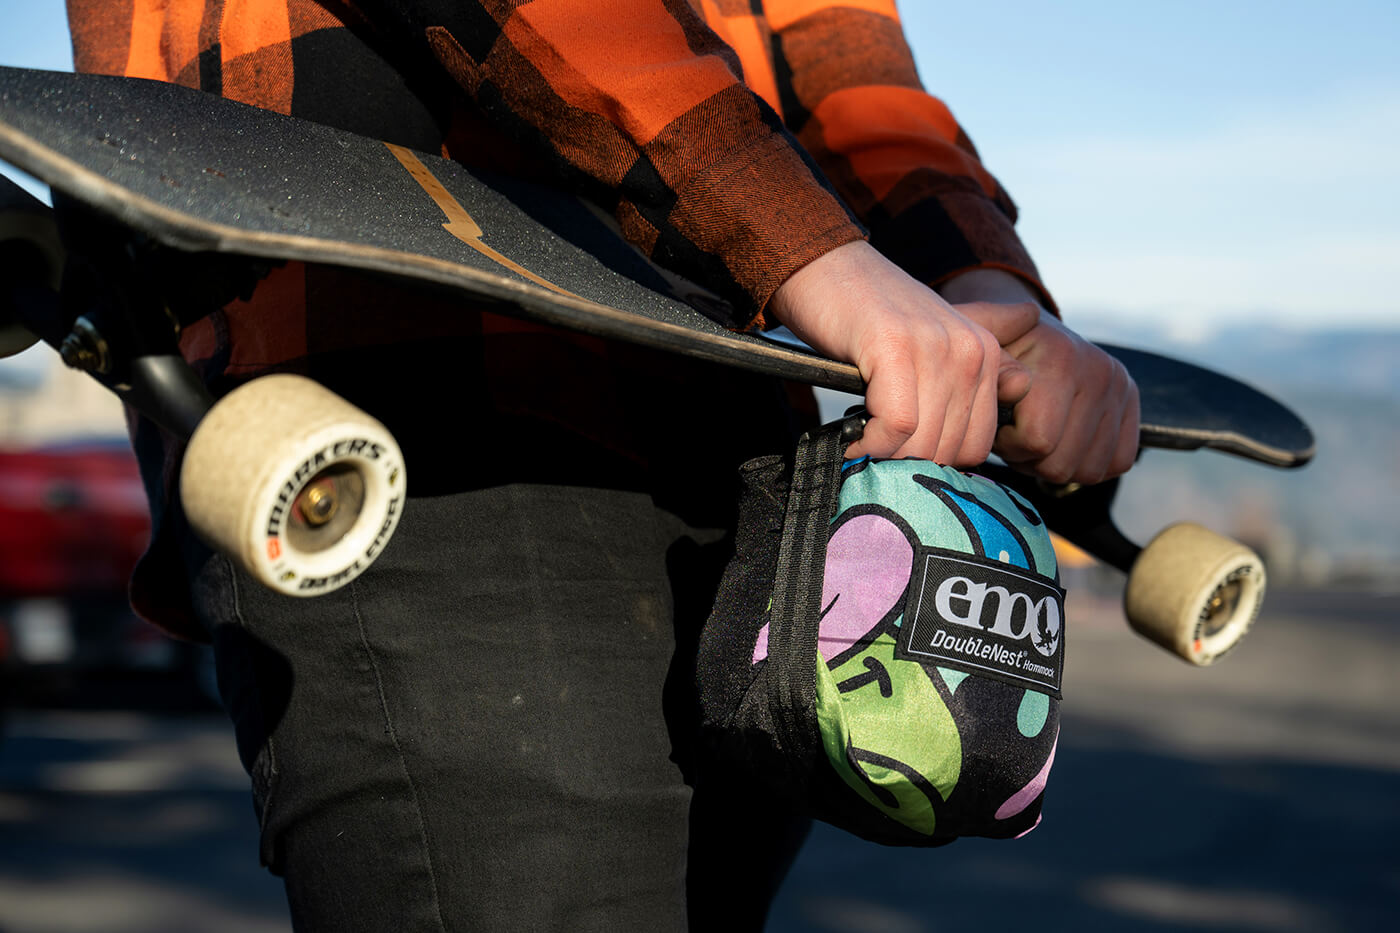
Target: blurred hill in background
point(1336, 520)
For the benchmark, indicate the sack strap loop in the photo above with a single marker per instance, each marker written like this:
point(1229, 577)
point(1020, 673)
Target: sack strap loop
point(797, 592)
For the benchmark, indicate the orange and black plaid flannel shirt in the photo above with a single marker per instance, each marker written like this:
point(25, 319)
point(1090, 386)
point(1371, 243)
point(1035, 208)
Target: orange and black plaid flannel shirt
point(734, 140)
point(654, 107)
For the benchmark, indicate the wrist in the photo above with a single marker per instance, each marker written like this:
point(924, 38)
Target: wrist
point(802, 294)
point(997, 286)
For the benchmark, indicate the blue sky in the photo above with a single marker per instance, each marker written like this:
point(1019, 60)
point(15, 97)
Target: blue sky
point(1192, 163)
point(1189, 162)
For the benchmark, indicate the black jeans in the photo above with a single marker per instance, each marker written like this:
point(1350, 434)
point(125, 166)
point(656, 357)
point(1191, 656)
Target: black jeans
point(493, 728)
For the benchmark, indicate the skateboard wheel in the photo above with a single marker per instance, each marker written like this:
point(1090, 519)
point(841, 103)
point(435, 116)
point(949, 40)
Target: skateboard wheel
point(29, 248)
point(1194, 592)
point(301, 488)
point(15, 338)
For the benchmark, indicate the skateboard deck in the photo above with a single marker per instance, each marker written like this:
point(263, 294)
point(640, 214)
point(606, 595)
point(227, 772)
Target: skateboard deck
point(302, 489)
point(200, 173)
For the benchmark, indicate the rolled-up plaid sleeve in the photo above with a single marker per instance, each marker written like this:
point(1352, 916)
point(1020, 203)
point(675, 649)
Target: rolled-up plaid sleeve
point(639, 104)
point(848, 88)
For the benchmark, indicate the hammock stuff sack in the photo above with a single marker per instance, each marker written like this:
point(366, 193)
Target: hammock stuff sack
point(888, 643)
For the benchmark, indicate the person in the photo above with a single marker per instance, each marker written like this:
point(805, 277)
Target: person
point(493, 727)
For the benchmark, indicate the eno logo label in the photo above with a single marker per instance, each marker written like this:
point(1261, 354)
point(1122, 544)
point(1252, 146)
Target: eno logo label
point(984, 617)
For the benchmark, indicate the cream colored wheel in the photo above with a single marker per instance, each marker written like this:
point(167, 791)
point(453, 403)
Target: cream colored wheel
point(1194, 592)
point(301, 488)
point(15, 338)
point(32, 234)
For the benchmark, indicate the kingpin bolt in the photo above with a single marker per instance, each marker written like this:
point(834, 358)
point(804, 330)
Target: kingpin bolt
point(85, 348)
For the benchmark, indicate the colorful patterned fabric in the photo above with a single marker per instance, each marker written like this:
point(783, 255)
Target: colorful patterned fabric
point(979, 762)
point(918, 700)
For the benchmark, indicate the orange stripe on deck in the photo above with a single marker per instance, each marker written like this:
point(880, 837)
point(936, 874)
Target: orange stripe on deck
point(460, 223)
point(632, 66)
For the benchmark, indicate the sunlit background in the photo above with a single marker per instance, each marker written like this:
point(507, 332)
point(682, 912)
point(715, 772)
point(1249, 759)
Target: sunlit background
point(1215, 180)
point(1189, 164)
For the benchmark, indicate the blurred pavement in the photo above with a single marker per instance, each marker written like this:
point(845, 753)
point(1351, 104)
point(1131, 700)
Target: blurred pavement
point(1263, 794)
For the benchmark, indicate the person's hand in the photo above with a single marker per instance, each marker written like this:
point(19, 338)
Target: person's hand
point(933, 378)
point(1079, 421)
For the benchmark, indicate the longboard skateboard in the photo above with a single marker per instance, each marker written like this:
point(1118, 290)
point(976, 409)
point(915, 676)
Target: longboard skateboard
point(199, 176)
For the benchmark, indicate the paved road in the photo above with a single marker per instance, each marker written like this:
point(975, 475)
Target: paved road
point(128, 822)
point(1261, 795)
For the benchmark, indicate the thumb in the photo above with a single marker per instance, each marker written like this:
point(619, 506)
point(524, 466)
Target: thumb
point(1013, 380)
point(1007, 322)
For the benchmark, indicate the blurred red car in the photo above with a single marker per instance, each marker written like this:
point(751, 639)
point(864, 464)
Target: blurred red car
point(72, 519)
point(73, 522)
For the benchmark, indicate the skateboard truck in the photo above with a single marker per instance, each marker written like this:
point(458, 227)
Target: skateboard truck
point(85, 348)
point(159, 383)
point(108, 321)
point(299, 487)
point(1190, 590)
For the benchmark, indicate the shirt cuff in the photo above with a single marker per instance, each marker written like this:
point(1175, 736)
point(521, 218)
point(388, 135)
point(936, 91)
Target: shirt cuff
point(948, 232)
